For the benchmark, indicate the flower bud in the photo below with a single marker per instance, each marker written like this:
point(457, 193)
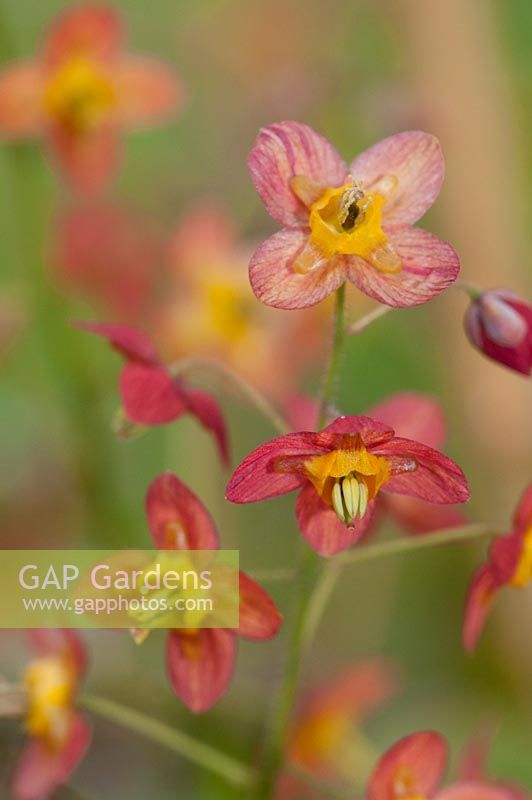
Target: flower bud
point(500, 325)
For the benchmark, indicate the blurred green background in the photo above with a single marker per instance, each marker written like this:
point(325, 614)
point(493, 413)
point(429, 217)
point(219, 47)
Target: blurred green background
point(357, 71)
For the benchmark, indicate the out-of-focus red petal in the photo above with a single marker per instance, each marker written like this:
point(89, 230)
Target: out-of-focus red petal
point(415, 159)
point(301, 412)
point(494, 320)
point(178, 520)
point(41, 770)
point(259, 617)
point(110, 255)
point(505, 554)
point(523, 512)
point(474, 758)
point(476, 790)
point(205, 408)
point(480, 596)
point(420, 516)
point(429, 265)
point(257, 478)
point(200, 665)
point(88, 161)
point(147, 90)
point(412, 415)
point(203, 234)
point(276, 283)
point(411, 768)
point(63, 642)
point(282, 151)
point(428, 474)
point(21, 100)
point(372, 432)
point(356, 691)
point(133, 344)
point(88, 29)
point(322, 529)
point(150, 395)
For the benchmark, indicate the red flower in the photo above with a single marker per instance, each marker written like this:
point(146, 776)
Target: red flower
point(414, 416)
point(150, 395)
point(109, 256)
point(82, 91)
point(509, 564)
point(351, 223)
point(58, 734)
point(499, 324)
point(414, 767)
point(200, 661)
point(340, 472)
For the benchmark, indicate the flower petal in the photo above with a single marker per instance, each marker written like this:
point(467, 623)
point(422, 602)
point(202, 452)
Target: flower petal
point(90, 29)
point(207, 411)
point(62, 642)
point(275, 282)
point(477, 790)
point(21, 100)
point(301, 412)
point(88, 161)
point(418, 760)
point(523, 513)
point(372, 432)
point(259, 616)
point(412, 415)
point(435, 477)
point(147, 90)
point(41, 770)
point(415, 159)
point(256, 477)
point(505, 555)
point(480, 596)
point(178, 520)
point(429, 265)
point(419, 516)
point(321, 527)
point(200, 665)
point(282, 151)
point(128, 341)
point(150, 395)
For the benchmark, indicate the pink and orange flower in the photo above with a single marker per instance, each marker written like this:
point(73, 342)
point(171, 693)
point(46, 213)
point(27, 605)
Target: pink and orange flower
point(150, 394)
point(499, 324)
point(210, 311)
point(58, 734)
point(414, 768)
point(340, 471)
point(414, 416)
point(82, 91)
point(509, 565)
point(348, 223)
point(200, 662)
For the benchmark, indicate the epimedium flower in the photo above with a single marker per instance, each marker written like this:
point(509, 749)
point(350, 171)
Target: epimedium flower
point(412, 415)
point(81, 92)
point(509, 565)
point(413, 769)
point(58, 734)
point(200, 662)
point(340, 471)
point(150, 394)
point(209, 311)
point(320, 738)
point(348, 223)
point(499, 324)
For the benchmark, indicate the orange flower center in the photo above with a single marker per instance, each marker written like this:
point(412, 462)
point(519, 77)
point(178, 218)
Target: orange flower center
point(348, 478)
point(50, 684)
point(523, 572)
point(405, 784)
point(80, 95)
point(318, 737)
